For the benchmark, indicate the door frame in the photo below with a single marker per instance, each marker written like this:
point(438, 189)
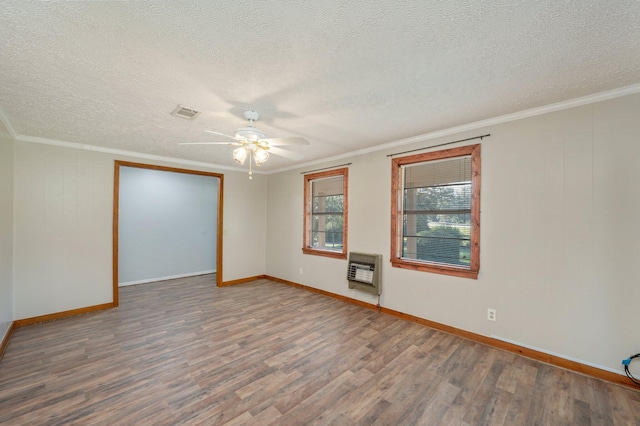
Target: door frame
point(116, 211)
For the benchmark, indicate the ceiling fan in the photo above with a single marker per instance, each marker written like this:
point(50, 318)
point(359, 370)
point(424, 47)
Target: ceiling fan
point(253, 143)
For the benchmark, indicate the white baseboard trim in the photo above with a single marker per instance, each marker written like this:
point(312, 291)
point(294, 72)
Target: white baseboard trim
point(169, 277)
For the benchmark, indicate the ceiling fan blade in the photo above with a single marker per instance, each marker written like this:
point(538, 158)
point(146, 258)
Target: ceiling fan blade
point(208, 143)
point(286, 154)
point(296, 140)
point(221, 134)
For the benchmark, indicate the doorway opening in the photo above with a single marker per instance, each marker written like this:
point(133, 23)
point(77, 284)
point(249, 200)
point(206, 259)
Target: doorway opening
point(116, 214)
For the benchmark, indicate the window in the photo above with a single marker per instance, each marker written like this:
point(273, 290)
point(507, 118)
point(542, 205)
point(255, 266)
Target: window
point(325, 213)
point(435, 212)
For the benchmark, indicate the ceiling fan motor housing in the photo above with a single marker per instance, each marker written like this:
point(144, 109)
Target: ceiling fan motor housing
point(251, 115)
point(250, 133)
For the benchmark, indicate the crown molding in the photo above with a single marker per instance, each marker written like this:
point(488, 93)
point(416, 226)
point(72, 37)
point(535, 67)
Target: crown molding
point(122, 152)
point(558, 106)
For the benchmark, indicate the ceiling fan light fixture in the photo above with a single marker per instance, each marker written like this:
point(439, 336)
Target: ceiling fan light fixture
point(260, 156)
point(253, 143)
point(240, 154)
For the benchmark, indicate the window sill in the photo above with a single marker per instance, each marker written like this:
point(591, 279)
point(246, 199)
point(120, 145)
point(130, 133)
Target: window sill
point(326, 253)
point(436, 269)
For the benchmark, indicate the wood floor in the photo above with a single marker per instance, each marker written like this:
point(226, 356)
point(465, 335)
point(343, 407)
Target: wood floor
point(187, 352)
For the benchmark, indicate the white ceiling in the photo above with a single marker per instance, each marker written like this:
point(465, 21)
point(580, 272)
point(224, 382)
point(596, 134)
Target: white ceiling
point(346, 75)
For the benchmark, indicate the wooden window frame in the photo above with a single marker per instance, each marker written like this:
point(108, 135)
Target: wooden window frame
point(396, 212)
point(306, 247)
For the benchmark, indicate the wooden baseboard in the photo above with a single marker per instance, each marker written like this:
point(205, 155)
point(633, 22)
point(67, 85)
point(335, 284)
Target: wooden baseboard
point(7, 336)
point(59, 315)
point(520, 350)
point(241, 280)
point(323, 292)
point(489, 341)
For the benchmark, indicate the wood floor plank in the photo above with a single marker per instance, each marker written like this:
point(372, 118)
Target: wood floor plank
point(187, 352)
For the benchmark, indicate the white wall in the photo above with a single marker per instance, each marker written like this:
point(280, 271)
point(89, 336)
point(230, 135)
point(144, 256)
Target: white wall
point(6, 230)
point(244, 231)
point(559, 241)
point(63, 227)
point(166, 224)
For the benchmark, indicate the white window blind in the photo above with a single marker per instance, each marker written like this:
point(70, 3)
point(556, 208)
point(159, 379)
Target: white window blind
point(327, 186)
point(438, 172)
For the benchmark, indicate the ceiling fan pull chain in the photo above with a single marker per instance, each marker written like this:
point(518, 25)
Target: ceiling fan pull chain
point(250, 161)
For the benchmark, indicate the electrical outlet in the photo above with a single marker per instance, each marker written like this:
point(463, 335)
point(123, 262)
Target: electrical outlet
point(491, 314)
point(301, 271)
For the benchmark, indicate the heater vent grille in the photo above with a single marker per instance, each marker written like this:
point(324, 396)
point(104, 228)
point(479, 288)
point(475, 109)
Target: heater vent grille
point(364, 272)
point(184, 112)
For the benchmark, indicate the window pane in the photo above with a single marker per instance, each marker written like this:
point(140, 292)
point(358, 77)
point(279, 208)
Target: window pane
point(326, 240)
point(442, 238)
point(436, 221)
point(328, 223)
point(330, 203)
point(451, 197)
point(446, 249)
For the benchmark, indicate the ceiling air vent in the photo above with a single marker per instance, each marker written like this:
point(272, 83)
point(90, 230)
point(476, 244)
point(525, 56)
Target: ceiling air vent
point(185, 112)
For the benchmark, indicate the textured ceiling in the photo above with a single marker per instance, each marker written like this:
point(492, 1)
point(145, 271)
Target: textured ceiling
point(346, 75)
